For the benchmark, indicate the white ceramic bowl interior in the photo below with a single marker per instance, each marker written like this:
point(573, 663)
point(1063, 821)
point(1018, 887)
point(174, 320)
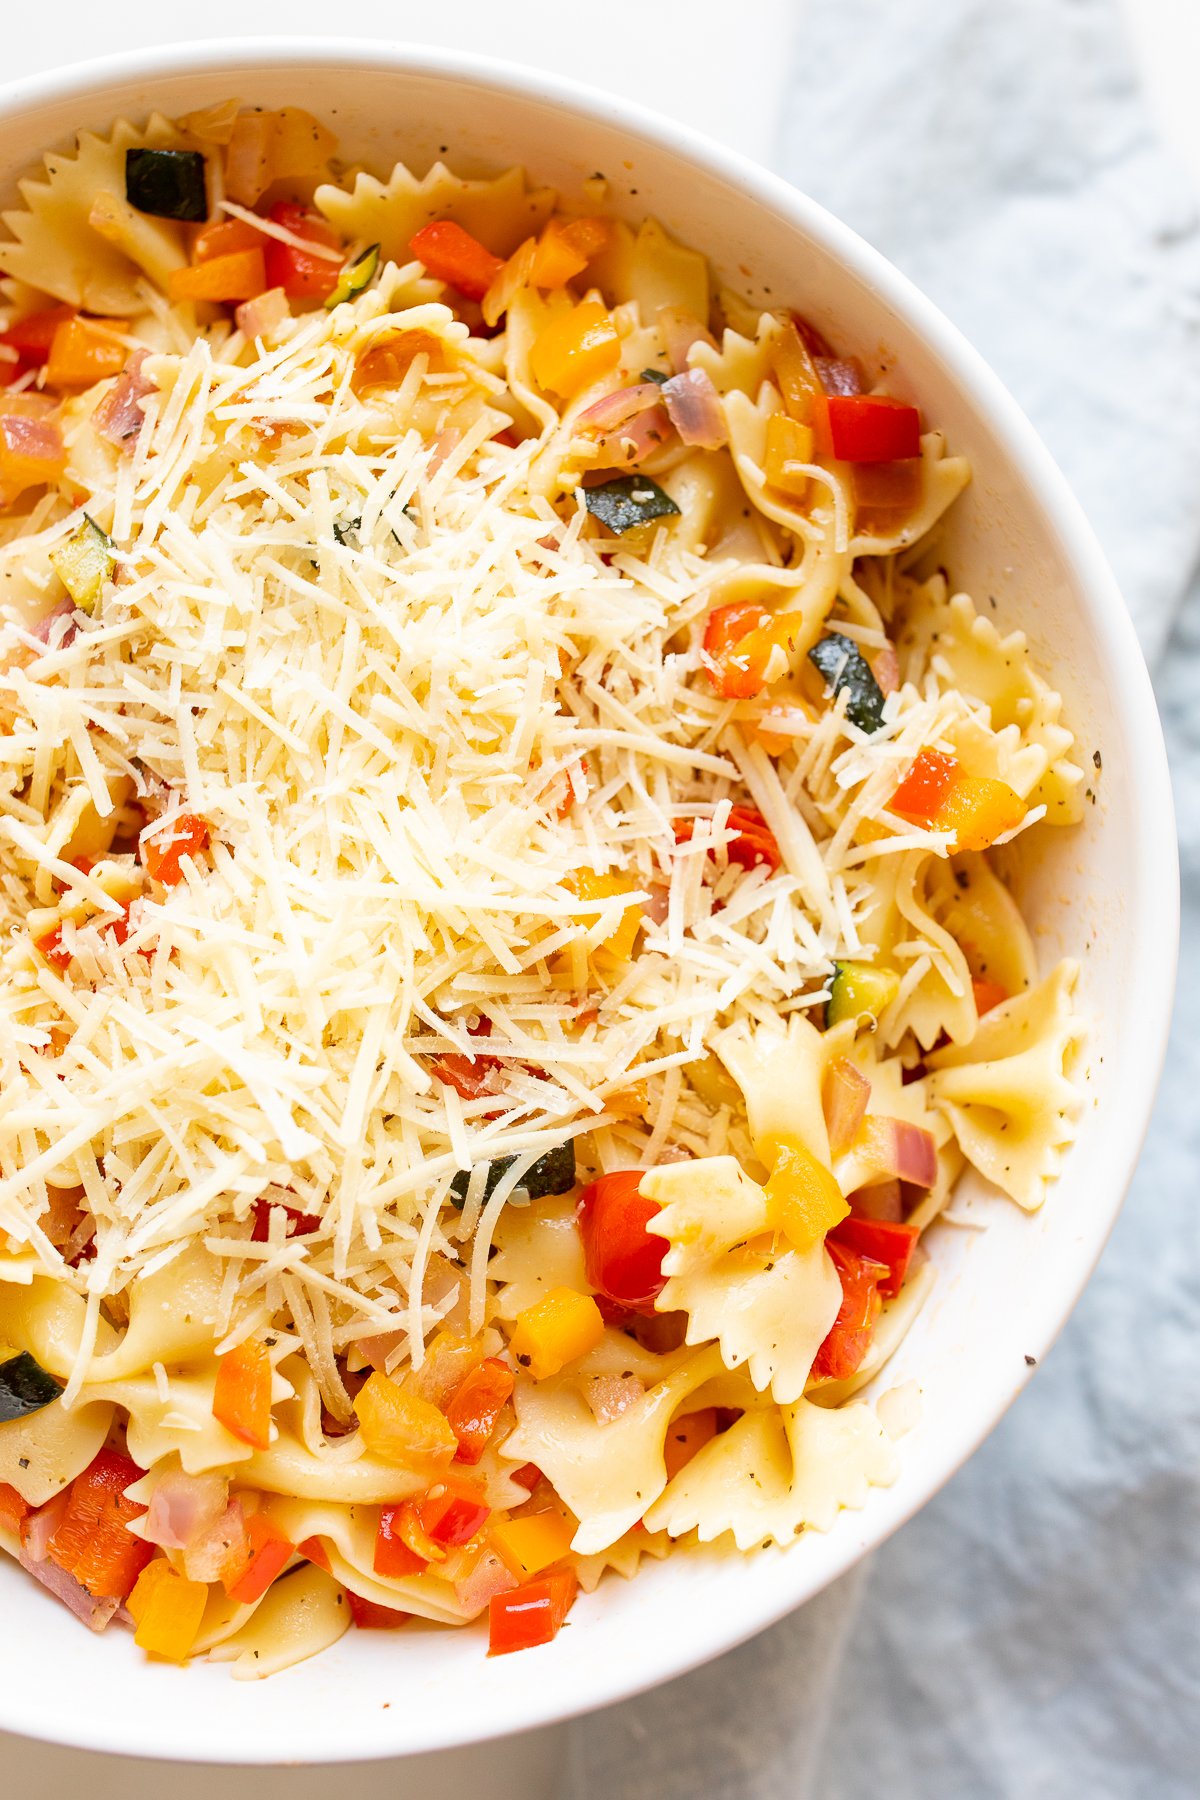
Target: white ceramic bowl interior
point(1106, 893)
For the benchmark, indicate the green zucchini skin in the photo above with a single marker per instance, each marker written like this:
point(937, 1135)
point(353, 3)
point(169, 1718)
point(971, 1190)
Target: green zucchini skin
point(843, 665)
point(168, 184)
point(553, 1173)
point(627, 502)
point(25, 1387)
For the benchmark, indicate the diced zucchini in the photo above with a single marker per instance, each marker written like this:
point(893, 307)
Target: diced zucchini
point(860, 989)
point(25, 1387)
point(843, 665)
point(354, 277)
point(85, 562)
point(166, 183)
point(628, 501)
point(657, 376)
point(553, 1173)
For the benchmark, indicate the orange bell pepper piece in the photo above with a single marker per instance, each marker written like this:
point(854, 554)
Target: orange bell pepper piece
point(926, 785)
point(167, 1610)
point(476, 1404)
point(83, 351)
point(242, 1396)
point(32, 454)
point(91, 1542)
point(163, 848)
point(978, 810)
point(556, 1331)
point(530, 1615)
point(687, 1436)
point(575, 349)
point(988, 994)
point(452, 255)
point(402, 1428)
point(530, 1544)
point(12, 1508)
point(239, 276)
point(270, 1552)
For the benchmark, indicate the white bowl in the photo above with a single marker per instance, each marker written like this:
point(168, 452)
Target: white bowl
point(1107, 893)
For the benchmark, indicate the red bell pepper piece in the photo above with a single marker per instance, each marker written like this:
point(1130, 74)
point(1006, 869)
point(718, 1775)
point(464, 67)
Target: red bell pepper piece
point(50, 945)
point(530, 1615)
point(754, 843)
point(163, 849)
point(368, 1615)
point(873, 428)
point(301, 274)
point(623, 1259)
point(882, 1241)
point(452, 1518)
point(313, 1550)
point(738, 641)
point(988, 994)
point(476, 1404)
point(270, 1552)
point(299, 1224)
point(91, 1541)
point(393, 1557)
point(849, 1336)
point(925, 786)
point(452, 255)
point(32, 336)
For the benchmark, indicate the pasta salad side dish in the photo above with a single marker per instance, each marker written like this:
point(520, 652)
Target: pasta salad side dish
point(503, 952)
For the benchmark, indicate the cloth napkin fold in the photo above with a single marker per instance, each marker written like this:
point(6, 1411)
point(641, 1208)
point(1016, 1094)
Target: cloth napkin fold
point(1032, 1633)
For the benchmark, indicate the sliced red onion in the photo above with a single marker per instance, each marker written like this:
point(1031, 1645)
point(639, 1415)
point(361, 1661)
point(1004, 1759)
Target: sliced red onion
point(695, 408)
point(183, 1508)
point(257, 318)
point(680, 331)
point(118, 418)
point(630, 444)
point(618, 408)
point(37, 1528)
point(376, 1350)
point(839, 375)
point(95, 1614)
point(46, 630)
point(657, 904)
point(611, 1395)
point(882, 1201)
point(221, 1550)
point(489, 1577)
point(847, 1094)
point(896, 1148)
point(39, 439)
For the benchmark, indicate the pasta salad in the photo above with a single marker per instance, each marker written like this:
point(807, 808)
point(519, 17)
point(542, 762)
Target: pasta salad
point(506, 952)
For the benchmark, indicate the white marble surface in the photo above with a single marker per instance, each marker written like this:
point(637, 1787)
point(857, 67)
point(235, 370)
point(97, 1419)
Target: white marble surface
point(1073, 1669)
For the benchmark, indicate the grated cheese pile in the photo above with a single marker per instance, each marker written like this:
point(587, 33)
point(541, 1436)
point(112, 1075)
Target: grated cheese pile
point(413, 702)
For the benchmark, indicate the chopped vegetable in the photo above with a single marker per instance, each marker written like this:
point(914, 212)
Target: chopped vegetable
point(452, 255)
point(799, 383)
point(85, 562)
point(224, 238)
point(354, 277)
point(745, 647)
point(844, 666)
point(656, 375)
point(32, 454)
point(926, 785)
point(686, 1437)
point(977, 808)
point(25, 1387)
point(169, 184)
point(533, 1542)
point(368, 1615)
point(873, 428)
point(789, 448)
point(166, 1609)
point(574, 349)
point(623, 1259)
point(882, 1241)
point(628, 501)
point(242, 1395)
point(987, 994)
point(12, 1508)
point(84, 351)
point(239, 276)
point(860, 990)
point(270, 1551)
point(163, 847)
point(91, 1542)
point(530, 1615)
point(302, 274)
point(402, 1428)
point(552, 1173)
point(895, 1148)
point(393, 1556)
point(556, 1331)
point(753, 843)
point(32, 336)
point(564, 250)
point(51, 946)
point(694, 407)
point(845, 1095)
point(803, 1198)
point(587, 885)
point(475, 1406)
point(849, 1337)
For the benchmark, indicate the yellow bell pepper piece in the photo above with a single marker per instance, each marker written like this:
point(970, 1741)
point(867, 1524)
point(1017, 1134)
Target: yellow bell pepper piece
point(167, 1610)
point(803, 1198)
point(978, 810)
point(84, 351)
point(401, 1428)
point(556, 1331)
point(617, 947)
point(575, 349)
point(532, 1543)
point(788, 445)
point(564, 250)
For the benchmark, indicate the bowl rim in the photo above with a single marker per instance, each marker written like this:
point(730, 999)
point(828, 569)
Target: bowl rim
point(1154, 869)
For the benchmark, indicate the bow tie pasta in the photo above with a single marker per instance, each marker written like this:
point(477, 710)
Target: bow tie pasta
point(502, 849)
